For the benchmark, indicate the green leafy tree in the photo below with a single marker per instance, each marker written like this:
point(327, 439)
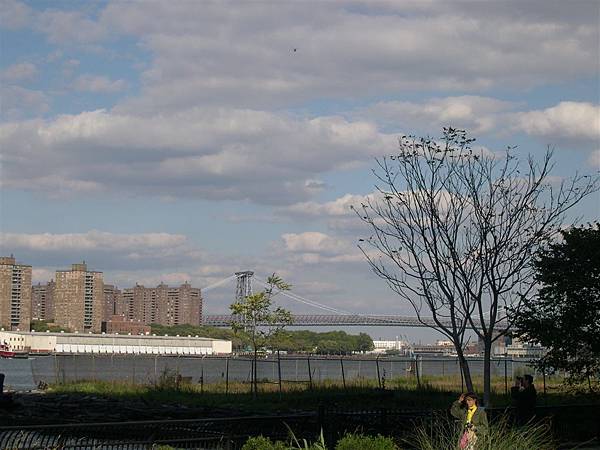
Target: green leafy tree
point(454, 230)
point(45, 325)
point(329, 347)
point(364, 343)
point(565, 314)
point(256, 316)
point(238, 340)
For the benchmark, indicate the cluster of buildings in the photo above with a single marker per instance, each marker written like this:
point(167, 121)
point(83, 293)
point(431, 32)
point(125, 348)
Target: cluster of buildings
point(507, 347)
point(439, 348)
point(79, 300)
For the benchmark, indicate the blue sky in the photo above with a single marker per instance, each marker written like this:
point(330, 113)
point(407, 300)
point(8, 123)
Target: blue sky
point(182, 141)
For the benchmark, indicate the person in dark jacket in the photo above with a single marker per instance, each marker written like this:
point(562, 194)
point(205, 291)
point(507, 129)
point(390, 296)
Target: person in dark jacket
point(524, 398)
point(473, 419)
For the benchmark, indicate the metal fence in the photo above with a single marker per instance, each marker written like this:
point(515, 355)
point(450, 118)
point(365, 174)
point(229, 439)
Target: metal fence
point(220, 433)
point(27, 373)
point(569, 423)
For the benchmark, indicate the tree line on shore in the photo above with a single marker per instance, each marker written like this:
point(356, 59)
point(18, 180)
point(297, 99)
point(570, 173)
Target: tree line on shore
point(301, 341)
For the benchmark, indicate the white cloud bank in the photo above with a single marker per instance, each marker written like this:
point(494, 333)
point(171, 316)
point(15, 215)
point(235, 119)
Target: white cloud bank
point(92, 240)
point(470, 112)
point(212, 153)
point(313, 247)
point(99, 84)
point(347, 49)
point(19, 71)
point(253, 55)
point(567, 120)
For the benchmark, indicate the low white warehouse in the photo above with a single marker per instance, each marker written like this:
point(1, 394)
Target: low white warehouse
point(33, 342)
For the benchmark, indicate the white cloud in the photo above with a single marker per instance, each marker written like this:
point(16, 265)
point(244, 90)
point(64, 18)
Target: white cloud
point(337, 213)
point(19, 71)
point(474, 113)
point(313, 247)
point(594, 158)
point(315, 185)
point(335, 208)
point(353, 50)
point(91, 240)
point(344, 50)
point(567, 120)
point(96, 83)
point(341, 218)
point(204, 152)
point(14, 15)
point(570, 121)
point(312, 242)
point(69, 27)
point(141, 254)
point(19, 102)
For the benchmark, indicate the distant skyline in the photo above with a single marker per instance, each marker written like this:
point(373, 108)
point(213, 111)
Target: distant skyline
point(183, 141)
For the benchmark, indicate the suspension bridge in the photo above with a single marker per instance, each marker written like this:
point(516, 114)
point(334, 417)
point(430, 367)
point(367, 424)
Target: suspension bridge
point(331, 316)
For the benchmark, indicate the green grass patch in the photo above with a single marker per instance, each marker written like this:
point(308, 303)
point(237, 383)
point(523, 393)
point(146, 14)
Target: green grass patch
point(432, 392)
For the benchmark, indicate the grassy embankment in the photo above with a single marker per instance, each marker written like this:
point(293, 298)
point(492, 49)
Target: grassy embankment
point(433, 392)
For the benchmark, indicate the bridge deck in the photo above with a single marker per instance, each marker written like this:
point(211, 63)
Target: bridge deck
point(334, 320)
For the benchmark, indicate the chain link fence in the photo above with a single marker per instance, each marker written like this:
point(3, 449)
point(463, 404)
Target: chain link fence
point(61, 368)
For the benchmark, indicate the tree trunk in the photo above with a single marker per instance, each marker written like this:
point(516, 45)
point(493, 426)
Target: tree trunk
point(254, 375)
point(464, 367)
point(487, 385)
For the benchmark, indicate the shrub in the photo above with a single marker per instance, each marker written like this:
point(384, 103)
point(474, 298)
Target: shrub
point(361, 442)
point(263, 443)
point(168, 380)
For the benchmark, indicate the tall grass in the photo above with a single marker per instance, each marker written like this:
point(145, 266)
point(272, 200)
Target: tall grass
point(432, 392)
point(444, 434)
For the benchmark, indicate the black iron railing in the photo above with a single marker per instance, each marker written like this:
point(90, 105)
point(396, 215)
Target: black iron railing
point(219, 433)
point(569, 423)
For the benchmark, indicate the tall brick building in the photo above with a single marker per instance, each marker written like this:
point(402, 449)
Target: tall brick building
point(42, 301)
point(15, 294)
point(112, 298)
point(79, 299)
point(163, 305)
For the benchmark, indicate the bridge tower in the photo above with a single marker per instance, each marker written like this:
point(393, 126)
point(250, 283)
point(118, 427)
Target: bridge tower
point(244, 285)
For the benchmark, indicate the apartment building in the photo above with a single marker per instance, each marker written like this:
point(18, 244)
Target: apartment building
point(112, 297)
point(163, 305)
point(141, 303)
point(15, 294)
point(42, 301)
point(79, 299)
point(184, 305)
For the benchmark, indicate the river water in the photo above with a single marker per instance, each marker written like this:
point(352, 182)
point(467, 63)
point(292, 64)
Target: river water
point(25, 374)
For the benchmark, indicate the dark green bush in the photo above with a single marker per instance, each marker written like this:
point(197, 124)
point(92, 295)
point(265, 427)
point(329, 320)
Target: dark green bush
point(361, 442)
point(348, 442)
point(263, 443)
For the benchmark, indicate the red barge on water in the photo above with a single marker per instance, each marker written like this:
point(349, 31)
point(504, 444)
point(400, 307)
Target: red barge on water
point(6, 352)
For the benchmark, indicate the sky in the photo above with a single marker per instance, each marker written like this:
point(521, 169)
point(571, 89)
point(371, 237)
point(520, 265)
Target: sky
point(177, 141)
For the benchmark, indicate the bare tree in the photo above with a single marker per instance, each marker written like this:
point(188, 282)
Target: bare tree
point(454, 231)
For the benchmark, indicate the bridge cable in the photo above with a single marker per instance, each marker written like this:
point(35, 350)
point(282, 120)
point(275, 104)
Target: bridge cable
point(315, 304)
point(306, 301)
point(217, 284)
